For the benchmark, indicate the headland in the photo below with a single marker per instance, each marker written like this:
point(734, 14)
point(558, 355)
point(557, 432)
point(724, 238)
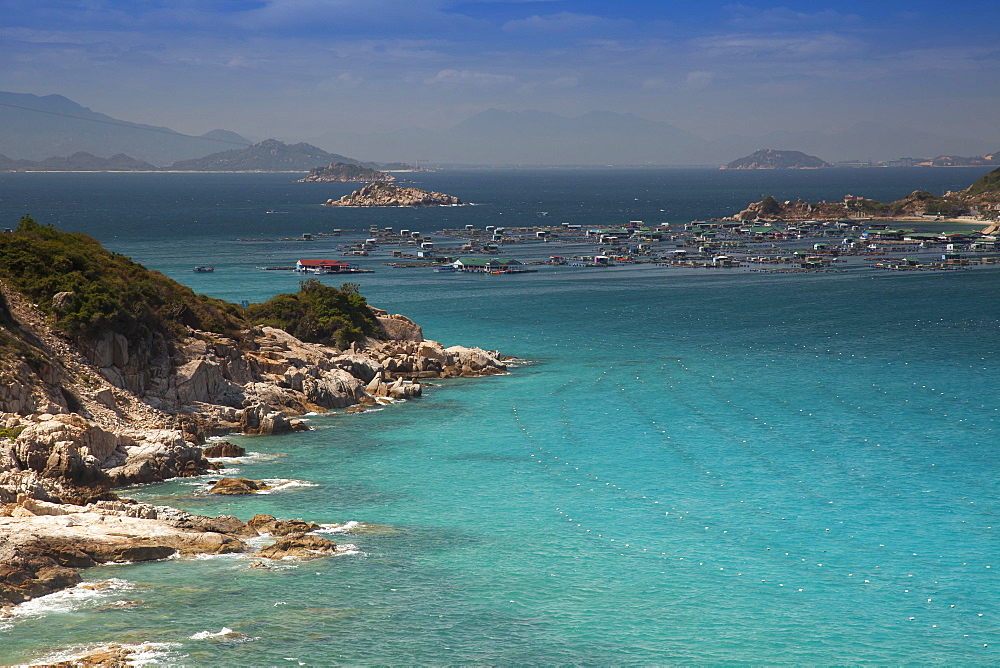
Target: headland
point(115, 375)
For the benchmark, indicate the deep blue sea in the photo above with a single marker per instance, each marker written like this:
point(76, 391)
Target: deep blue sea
point(694, 468)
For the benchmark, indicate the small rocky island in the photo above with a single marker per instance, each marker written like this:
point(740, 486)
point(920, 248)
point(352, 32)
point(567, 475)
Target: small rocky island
point(342, 172)
point(769, 158)
point(387, 194)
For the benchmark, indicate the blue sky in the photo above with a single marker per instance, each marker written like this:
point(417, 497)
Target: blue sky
point(301, 68)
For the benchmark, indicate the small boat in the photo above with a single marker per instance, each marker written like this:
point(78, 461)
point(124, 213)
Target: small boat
point(446, 268)
point(204, 270)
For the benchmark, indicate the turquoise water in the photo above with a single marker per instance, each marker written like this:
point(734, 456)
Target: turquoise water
point(724, 468)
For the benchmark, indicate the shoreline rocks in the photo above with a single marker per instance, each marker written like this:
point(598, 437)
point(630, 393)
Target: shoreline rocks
point(109, 412)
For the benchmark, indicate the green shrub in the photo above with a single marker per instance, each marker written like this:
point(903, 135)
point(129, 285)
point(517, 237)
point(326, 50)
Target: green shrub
point(319, 313)
point(109, 291)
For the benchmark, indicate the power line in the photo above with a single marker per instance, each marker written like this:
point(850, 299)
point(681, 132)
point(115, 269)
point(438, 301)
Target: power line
point(122, 124)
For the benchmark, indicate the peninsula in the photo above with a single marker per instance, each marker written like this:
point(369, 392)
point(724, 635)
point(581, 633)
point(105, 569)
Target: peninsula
point(981, 199)
point(115, 375)
point(387, 194)
point(342, 172)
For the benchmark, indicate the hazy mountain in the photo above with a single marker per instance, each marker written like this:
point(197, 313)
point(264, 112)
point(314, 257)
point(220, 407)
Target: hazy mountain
point(769, 158)
point(227, 135)
point(861, 141)
point(596, 138)
point(536, 138)
point(78, 162)
point(269, 155)
point(35, 128)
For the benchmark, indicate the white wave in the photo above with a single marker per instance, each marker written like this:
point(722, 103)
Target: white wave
point(262, 456)
point(202, 635)
point(348, 549)
point(209, 557)
point(282, 484)
point(226, 635)
point(346, 527)
point(83, 595)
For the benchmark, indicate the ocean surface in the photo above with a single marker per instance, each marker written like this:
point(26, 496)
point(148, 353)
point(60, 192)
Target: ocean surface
point(692, 468)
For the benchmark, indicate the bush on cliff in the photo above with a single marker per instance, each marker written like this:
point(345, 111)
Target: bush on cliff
point(106, 290)
point(319, 313)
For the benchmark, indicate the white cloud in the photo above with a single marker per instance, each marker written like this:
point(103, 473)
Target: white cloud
point(566, 22)
point(699, 79)
point(777, 46)
point(466, 77)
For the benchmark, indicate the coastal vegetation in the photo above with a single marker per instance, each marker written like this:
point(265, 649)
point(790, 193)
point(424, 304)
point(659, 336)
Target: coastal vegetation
point(987, 184)
point(319, 313)
point(87, 290)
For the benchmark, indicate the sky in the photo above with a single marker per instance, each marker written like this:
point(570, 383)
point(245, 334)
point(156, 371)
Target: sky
point(302, 68)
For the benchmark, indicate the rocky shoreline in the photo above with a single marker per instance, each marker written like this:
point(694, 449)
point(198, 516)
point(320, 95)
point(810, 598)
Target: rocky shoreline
point(95, 417)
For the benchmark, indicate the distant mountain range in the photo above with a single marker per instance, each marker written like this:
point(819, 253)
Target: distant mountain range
point(35, 128)
point(78, 162)
point(269, 155)
point(495, 137)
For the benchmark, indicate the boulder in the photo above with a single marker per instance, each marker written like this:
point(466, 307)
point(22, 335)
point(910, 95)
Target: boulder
point(237, 486)
point(268, 524)
point(224, 449)
point(299, 546)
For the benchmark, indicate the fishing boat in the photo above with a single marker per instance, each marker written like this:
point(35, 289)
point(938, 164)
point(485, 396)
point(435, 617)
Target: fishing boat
point(204, 270)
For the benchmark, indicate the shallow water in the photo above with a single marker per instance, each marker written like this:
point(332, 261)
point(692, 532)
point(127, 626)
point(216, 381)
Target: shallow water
point(694, 468)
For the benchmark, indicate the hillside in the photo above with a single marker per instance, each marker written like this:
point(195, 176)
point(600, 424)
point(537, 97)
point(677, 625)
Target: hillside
point(987, 186)
point(150, 336)
point(339, 172)
point(35, 127)
point(769, 158)
point(269, 155)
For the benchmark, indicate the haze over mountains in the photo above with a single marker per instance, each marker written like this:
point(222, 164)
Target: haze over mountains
point(36, 128)
point(597, 138)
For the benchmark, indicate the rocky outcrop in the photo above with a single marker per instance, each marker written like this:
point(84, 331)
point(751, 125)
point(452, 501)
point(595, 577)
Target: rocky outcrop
point(43, 544)
point(299, 546)
point(387, 194)
point(275, 527)
point(416, 360)
point(398, 327)
point(72, 450)
point(224, 449)
point(238, 486)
